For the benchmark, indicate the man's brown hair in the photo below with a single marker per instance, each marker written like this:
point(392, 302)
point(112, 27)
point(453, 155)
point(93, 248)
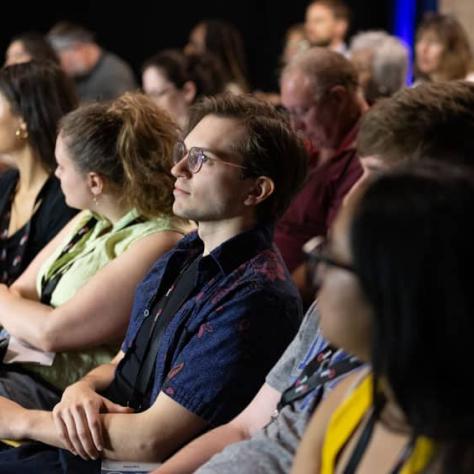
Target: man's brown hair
point(269, 148)
point(434, 120)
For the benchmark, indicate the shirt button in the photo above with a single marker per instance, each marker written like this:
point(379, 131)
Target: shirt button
point(146, 313)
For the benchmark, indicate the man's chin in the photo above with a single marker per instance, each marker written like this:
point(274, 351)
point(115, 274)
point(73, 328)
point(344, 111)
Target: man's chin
point(320, 43)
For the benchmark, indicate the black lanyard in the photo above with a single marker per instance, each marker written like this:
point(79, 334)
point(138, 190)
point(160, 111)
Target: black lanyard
point(164, 313)
point(318, 372)
point(363, 442)
point(5, 224)
point(49, 284)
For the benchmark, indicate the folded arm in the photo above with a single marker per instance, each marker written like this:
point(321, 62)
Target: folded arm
point(96, 314)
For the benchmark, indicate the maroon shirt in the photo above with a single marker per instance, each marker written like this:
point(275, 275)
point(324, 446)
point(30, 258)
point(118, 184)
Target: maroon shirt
point(314, 208)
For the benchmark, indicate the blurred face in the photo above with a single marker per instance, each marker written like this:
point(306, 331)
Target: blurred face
point(428, 51)
point(295, 43)
point(73, 182)
point(10, 124)
point(321, 25)
point(345, 312)
point(307, 116)
point(216, 192)
point(165, 94)
point(73, 60)
point(16, 53)
point(197, 40)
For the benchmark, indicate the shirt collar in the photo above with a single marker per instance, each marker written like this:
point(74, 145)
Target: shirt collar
point(233, 252)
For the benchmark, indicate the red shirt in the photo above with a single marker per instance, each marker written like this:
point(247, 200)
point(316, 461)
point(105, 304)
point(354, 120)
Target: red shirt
point(313, 209)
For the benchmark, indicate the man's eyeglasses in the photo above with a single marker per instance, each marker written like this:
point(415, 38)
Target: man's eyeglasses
point(196, 157)
point(316, 253)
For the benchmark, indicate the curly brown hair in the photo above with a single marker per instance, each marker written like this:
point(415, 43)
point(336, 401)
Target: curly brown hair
point(129, 142)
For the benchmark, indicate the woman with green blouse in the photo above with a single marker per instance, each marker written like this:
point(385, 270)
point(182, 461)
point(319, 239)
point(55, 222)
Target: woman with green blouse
point(73, 302)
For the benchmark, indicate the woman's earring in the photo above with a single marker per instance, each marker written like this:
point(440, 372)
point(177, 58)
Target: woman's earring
point(21, 133)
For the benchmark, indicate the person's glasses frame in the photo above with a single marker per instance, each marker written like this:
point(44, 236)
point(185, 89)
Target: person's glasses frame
point(196, 156)
point(316, 254)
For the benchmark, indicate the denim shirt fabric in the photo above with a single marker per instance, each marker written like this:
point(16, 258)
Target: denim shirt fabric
point(216, 351)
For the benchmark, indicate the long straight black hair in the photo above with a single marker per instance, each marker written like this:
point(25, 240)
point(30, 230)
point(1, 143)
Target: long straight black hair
point(412, 240)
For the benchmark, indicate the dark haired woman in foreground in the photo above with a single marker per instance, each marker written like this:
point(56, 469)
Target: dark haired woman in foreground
point(397, 292)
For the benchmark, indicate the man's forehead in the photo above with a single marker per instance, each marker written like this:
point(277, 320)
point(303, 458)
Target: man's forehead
point(318, 9)
point(296, 84)
point(216, 132)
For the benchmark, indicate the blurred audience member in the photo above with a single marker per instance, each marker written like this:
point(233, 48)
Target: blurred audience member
point(33, 98)
point(224, 40)
point(175, 81)
point(295, 42)
point(442, 50)
point(27, 46)
point(99, 74)
point(320, 91)
point(327, 22)
point(381, 61)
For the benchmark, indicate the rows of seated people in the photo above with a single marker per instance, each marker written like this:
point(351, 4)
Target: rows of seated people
point(223, 282)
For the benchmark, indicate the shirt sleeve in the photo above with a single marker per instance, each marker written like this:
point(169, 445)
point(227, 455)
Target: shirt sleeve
point(289, 364)
point(224, 360)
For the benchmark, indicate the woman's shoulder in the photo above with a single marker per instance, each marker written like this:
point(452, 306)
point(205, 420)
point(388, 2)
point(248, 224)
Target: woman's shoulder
point(163, 223)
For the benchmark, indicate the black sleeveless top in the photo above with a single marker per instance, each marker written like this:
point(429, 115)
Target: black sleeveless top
point(52, 213)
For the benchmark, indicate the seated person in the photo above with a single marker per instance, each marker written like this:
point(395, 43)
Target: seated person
point(264, 436)
point(28, 46)
point(33, 98)
point(75, 298)
point(401, 254)
point(224, 41)
point(381, 61)
point(211, 317)
point(175, 81)
point(98, 74)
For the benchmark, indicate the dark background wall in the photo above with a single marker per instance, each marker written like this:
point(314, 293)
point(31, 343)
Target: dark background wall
point(137, 29)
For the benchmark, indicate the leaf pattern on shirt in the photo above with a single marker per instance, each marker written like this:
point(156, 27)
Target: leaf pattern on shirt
point(175, 371)
point(205, 328)
point(271, 267)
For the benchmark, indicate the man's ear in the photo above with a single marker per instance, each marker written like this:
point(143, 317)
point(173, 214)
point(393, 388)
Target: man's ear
point(189, 91)
point(262, 188)
point(96, 183)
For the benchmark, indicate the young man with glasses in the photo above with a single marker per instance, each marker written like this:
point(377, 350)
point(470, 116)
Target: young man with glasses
point(432, 120)
point(211, 317)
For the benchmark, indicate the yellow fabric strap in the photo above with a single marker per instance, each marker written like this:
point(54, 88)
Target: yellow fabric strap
point(344, 422)
point(422, 454)
point(347, 418)
point(11, 442)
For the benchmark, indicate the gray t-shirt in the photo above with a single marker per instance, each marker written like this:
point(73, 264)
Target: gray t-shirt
point(109, 78)
point(271, 450)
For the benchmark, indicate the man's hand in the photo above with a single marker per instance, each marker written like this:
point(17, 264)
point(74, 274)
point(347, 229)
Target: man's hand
point(77, 419)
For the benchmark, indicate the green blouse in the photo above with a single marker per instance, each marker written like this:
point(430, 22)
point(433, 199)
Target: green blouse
point(92, 252)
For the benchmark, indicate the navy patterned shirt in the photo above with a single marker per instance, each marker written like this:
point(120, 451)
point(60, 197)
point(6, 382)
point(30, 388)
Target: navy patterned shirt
point(214, 354)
